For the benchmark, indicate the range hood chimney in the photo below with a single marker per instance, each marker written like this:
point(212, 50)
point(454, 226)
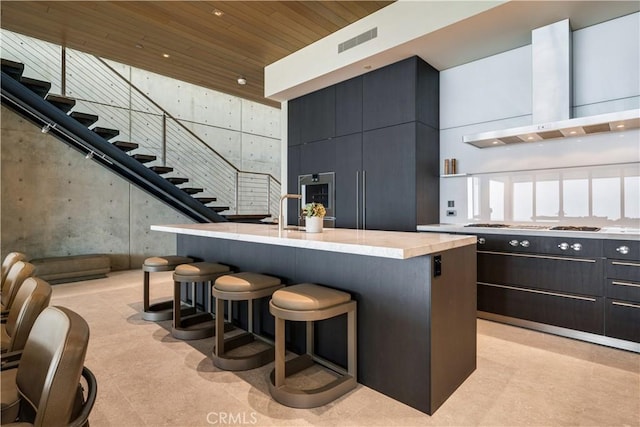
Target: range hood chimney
point(551, 98)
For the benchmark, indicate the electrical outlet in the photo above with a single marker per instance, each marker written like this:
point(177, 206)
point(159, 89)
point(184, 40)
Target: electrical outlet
point(451, 204)
point(451, 212)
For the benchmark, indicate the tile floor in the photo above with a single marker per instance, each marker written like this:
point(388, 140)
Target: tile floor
point(147, 378)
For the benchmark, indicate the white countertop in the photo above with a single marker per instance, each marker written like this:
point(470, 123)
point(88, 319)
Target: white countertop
point(618, 233)
point(385, 244)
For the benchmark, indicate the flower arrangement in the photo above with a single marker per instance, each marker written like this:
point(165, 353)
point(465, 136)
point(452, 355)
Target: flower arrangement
point(314, 209)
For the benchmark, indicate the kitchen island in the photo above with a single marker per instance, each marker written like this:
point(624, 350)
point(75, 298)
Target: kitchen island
point(416, 295)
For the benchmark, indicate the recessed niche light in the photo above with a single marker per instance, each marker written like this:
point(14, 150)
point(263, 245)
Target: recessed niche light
point(620, 126)
point(573, 132)
point(166, 55)
point(217, 12)
point(529, 138)
point(496, 142)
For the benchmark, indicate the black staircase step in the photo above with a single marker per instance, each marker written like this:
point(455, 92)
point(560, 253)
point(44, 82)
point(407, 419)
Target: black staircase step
point(125, 145)
point(12, 68)
point(144, 158)
point(39, 87)
point(161, 169)
point(192, 190)
point(247, 217)
point(177, 181)
point(106, 133)
point(205, 200)
point(219, 208)
point(61, 102)
point(85, 118)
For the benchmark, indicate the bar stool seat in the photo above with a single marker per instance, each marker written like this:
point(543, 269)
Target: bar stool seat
point(161, 310)
point(309, 302)
point(200, 324)
point(244, 286)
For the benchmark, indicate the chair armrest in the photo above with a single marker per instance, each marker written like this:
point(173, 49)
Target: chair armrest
point(87, 405)
point(10, 360)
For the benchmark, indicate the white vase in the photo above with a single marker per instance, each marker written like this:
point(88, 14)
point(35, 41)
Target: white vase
point(313, 224)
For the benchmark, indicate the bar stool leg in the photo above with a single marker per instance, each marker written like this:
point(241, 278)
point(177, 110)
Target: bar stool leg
point(352, 348)
point(280, 353)
point(176, 304)
point(219, 348)
point(310, 338)
point(145, 292)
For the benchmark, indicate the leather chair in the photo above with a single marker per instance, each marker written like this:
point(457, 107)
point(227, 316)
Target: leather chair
point(18, 273)
point(44, 389)
point(32, 297)
point(8, 262)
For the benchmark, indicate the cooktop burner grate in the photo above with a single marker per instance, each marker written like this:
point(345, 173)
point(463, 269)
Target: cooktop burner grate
point(574, 228)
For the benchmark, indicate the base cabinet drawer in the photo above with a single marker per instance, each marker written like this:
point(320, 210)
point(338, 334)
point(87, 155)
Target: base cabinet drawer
point(622, 319)
point(569, 275)
point(564, 310)
point(623, 289)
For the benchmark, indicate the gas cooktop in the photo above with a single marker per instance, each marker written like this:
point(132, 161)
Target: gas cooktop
point(535, 227)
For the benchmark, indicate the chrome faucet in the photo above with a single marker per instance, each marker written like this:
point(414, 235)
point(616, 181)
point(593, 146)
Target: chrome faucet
point(281, 220)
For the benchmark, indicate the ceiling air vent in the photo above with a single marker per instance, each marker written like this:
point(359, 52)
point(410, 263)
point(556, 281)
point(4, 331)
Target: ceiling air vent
point(364, 37)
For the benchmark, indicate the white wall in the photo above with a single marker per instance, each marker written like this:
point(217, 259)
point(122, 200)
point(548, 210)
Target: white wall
point(495, 93)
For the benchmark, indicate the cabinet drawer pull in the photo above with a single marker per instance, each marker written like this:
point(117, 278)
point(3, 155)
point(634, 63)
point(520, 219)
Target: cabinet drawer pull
point(635, 285)
point(623, 249)
point(533, 291)
point(625, 304)
point(538, 256)
point(626, 264)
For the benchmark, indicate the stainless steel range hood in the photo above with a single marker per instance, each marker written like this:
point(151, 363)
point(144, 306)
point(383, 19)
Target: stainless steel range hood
point(551, 97)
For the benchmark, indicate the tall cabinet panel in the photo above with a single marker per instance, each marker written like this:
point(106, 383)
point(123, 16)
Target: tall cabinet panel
point(348, 169)
point(318, 118)
point(349, 106)
point(389, 95)
point(293, 170)
point(388, 163)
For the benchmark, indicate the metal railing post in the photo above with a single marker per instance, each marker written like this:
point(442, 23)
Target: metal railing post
point(164, 139)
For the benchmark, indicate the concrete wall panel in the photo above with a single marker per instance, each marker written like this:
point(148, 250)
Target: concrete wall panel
point(260, 119)
point(55, 202)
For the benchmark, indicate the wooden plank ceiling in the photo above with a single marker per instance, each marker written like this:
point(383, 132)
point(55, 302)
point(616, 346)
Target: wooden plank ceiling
point(202, 48)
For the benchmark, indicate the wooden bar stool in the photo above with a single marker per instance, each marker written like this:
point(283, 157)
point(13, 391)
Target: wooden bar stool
point(160, 310)
point(245, 286)
point(309, 302)
point(200, 324)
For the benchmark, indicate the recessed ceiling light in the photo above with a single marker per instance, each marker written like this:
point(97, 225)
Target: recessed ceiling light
point(166, 55)
point(217, 12)
point(139, 46)
point(242, 81)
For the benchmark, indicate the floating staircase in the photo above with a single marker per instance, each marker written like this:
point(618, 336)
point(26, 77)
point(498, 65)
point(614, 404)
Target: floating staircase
point(56, 114)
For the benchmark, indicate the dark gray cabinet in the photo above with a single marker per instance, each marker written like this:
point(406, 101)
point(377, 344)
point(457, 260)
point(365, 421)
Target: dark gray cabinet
point(389, 178)
point(349, 107)
point(622, 289)
point(318, 116)
point(380, 136)
point(533, 278)
point(348, 169)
